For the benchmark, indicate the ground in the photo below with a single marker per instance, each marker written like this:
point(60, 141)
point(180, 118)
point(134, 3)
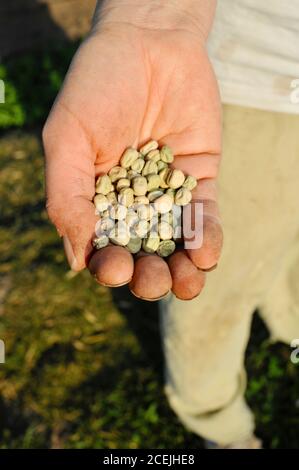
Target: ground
point(81, 370)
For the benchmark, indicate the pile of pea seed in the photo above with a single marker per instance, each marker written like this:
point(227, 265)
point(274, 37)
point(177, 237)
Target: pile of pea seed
point(140, 201)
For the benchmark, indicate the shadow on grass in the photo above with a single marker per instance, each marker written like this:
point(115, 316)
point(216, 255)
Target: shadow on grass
point(26, 24)
point(33, 78)
point(143, 320)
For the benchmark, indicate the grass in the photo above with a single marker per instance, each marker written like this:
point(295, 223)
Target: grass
point(81, 370)
point(31, 82)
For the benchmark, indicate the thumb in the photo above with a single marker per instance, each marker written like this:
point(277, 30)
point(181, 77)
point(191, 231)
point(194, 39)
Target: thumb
point(204, 167)
point(70, 179)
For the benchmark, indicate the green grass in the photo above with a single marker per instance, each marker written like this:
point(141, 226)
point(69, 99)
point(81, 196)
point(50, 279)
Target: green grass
point(31, 83)
point(76, 374)
point(81, 372)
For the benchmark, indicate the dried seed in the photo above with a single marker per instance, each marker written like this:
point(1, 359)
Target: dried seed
point(177, 221)
point(151, 145)
point(153, 223)
point(119, 235)
point(163, 204)
point(126, 197)
point(153, 155)
point(153, 195)
point(105, 214)
point(153, 182)
point(161, 165)
point(166, 154)
point(106, 225)
point(163, 176)
point(101, 203)
point(139, 185)
point(183, 197)
point(125, 206)
point(131, 218)
point(190, 183)
point(98, 230)
point(145, 211)
point(131, 174)
point(167, 218)
point(134, 245)
point(112, 198)
point(171, 193)
point(165, 230)
point(138, 165)
point(116, 173)
point(150, 244)
point(100, 242)
point(150, 168)
point(177, 212)
point(141, 228)
point(122, 183)
point(129, 157)
point(175, 178)
point(118, 212)
point(103, 185)
point(166, 248)
point(141, 200)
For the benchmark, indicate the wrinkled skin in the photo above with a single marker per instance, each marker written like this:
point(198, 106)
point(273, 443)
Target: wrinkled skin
point(127, 85)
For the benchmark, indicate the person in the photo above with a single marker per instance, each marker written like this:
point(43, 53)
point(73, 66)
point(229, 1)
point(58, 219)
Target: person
point(144, 72)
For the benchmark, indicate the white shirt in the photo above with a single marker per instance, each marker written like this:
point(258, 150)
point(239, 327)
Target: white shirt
point(254, 47)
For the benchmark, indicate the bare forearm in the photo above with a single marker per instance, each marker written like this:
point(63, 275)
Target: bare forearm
point(195, 16)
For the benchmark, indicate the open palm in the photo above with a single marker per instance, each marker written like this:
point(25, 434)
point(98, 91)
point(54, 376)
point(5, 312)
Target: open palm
point(125, 86)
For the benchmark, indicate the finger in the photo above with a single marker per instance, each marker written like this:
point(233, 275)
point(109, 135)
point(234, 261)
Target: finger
point(151, 279)
point(70, 181)
point(206, 254)
point(203, 166)
point(112, 266)
point(187, 280)
point(206, 249)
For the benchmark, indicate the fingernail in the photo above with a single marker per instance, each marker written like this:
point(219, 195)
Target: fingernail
point(210, 269)
point(69, 253)
point(115, 285)
point(149, 299)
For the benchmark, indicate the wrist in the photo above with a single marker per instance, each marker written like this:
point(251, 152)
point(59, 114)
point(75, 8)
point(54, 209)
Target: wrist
point(194, 16)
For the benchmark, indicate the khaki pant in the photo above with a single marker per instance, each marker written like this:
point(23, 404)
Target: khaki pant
point(205, 339)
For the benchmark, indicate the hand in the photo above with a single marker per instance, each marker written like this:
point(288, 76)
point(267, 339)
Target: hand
point(127, 84)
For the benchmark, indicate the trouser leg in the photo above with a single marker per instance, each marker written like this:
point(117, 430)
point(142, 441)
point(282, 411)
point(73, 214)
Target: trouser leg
point(205, 339)
point(280, 307)
point(205, 378)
